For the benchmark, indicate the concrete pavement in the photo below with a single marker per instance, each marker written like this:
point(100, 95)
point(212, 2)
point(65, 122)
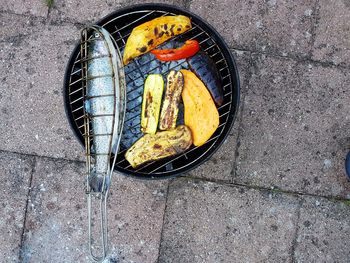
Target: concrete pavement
point(274, 192)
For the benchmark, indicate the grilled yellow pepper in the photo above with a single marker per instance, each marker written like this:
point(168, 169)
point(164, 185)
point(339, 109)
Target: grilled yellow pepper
point(170, 108)
point(152, 147)
point(147, 36)
point(151, 101)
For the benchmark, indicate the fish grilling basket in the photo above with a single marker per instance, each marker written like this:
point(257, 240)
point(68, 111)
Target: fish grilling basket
point(119, 25)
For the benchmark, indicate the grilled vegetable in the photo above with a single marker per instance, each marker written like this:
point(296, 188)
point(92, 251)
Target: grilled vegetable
point(163, 144)
point(168, 115)
point(205, 69)
point(151, 101)
point(190, 48)
point(201, 115)
point(147, 36)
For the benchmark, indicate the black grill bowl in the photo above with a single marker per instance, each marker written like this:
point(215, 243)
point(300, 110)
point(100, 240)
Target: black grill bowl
point(119, 24)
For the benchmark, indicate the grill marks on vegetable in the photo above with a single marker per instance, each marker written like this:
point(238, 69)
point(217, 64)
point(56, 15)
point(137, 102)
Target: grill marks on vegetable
point(149, 100)
point(157, 146)
point(170, 108)
point(156, 31)
point(172, 30)
point(165, 29)
point(150, 43)
point(142, 49)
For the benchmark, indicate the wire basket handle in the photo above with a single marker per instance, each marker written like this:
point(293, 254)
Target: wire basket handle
point(119, 87)
point(102, 198)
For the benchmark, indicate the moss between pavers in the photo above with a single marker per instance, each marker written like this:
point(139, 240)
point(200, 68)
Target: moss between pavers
point(49, 3)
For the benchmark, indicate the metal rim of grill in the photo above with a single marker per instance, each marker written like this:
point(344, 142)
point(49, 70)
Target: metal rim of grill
point(119, 24)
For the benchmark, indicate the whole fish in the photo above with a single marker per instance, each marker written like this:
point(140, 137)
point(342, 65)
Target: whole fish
point(105, 103)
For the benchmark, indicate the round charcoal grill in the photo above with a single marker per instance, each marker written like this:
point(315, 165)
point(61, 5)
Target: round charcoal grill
point(120, 24)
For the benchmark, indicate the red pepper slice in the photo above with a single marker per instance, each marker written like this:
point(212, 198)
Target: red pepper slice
point(190, 48)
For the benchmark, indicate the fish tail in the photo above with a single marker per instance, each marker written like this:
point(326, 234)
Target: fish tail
point(96, 181)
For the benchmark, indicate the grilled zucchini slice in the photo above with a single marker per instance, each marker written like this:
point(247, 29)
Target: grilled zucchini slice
point(170, 108)
point(151, 102)
point(152, 147)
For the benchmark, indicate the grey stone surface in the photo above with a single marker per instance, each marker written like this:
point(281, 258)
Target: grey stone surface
point(137, 210)
point(220, 165)
point(91, 11)
point(27, 7)
point(294, 132)
point(332, 38)
point(324, 231)
point(56, 226)
point(207, 222)
point(33, 58)
point(15, 173)
point(243, 61)
point(283, 27)
point(15, 27)
point(82, 11)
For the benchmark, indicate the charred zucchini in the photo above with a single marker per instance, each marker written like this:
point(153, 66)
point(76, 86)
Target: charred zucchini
point(170, 108)
point(147, 36)
point(151, 101)
point(201, 115)
point(152, 147)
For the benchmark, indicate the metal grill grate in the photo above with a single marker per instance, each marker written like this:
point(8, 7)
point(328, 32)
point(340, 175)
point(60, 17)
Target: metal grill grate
point(120, 26)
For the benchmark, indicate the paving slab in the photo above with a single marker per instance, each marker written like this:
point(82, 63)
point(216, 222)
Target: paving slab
point(324, 230)
point(282, 27)
point(15, 27)
point(136, 223)
point(56, 226)
point(15, 176)
point(294, 132)
point(207, 222)
point(27, 7)
point(220, 165)
point(243, 61)
point(90, 11)
point(82, 11)
point(33, 60)
point(332, 38)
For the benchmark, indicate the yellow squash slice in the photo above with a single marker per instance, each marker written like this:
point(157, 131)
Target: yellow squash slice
point(147, 36)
